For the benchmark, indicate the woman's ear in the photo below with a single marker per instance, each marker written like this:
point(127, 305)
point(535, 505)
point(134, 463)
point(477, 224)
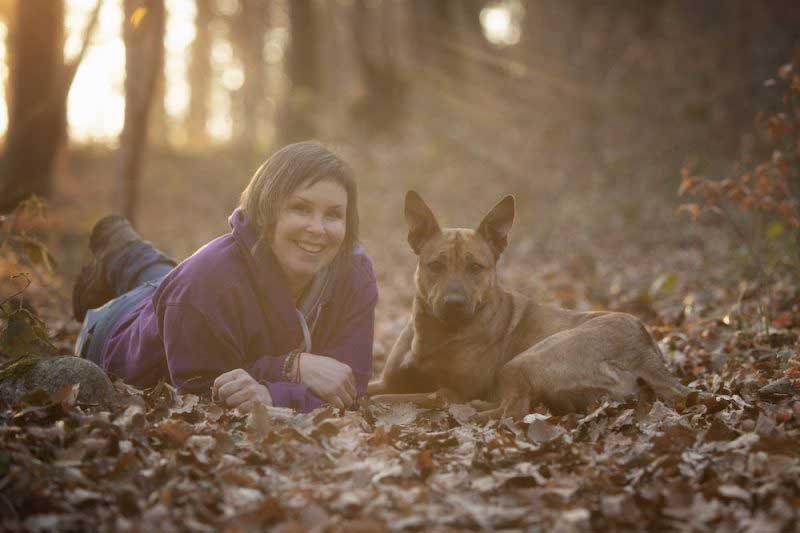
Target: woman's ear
point(422, 225)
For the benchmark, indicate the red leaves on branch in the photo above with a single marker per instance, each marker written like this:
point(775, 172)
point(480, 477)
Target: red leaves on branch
point(766, 189)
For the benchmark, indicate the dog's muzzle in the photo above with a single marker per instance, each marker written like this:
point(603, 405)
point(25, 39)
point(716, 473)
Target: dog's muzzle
point(454, 307)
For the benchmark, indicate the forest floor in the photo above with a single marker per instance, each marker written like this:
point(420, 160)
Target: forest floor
point(162, 461)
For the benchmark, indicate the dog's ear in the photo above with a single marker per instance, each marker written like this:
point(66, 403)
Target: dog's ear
point(422, 224)
point(497, 223)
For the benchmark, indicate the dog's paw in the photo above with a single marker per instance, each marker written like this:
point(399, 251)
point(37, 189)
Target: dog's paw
point(482, 405)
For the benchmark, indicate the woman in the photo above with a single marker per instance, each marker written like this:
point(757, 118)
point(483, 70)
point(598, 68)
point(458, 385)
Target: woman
point(279, 311)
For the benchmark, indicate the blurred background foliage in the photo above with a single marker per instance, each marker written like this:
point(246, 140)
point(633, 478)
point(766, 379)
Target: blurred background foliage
point(587, 111)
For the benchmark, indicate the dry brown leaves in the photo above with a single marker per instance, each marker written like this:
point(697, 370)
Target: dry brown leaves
point(727, 459)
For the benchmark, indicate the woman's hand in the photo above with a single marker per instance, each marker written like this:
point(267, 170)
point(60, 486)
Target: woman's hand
point(239, 389)
point(329, 379)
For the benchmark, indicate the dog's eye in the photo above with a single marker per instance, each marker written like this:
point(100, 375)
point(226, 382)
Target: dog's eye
point(475, 268)
point(437, 267)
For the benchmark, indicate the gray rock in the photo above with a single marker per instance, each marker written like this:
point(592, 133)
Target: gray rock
point(54, 373)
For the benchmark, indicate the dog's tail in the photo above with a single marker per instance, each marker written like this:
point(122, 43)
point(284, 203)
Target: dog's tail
point(664, 385)
point(655, 373)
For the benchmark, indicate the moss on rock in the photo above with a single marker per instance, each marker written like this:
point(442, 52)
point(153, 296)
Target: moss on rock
point(19, 367)
point(50, 374)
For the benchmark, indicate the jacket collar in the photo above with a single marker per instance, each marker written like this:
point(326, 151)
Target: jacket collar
point(275, 298)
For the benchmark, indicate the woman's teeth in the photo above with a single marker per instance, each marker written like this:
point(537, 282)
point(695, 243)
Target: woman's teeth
point(310, 248)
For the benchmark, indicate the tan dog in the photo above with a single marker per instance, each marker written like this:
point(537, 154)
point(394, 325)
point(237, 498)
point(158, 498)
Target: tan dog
point(469, 339)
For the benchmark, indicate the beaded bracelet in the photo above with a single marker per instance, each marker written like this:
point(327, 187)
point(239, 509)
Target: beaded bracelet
point(288, 363)
point(298, 377)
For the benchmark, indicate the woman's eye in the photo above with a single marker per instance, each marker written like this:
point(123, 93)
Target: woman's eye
point(437, 267)
point(334, 215)
point(301, 208)
point(476, 268)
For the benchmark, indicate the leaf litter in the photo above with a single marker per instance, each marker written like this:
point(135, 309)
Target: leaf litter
point(167, 461)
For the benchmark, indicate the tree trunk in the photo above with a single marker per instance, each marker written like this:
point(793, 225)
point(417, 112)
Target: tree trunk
point(436, 35)
point(159, 119)
point(200, 76)
point(37, 111)
point(381, 108)
point(143, 33)
point(298, 118)
point(248, 35)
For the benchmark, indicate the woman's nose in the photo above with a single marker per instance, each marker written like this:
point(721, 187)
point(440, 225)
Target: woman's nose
point(315, 224)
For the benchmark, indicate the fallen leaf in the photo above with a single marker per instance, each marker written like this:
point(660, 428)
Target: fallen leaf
point(66, 395)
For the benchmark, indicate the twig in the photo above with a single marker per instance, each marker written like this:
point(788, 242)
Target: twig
point(57, 295)
point(10, 506)
point(72, 68)
point(743, 236)
point(764, 273)
point(23, 289)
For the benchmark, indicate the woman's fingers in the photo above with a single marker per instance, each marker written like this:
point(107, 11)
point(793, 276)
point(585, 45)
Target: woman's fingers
point(230, 388)
point(247, 406)
point(224, 379)
point(337, 402)
point(347, 397)
point(241, 396)
point(346, 382)
point(229, 376)
point(351, 387)
point(347, 391)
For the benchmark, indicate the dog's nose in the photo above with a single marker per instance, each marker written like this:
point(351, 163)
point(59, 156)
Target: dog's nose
point(455, 303)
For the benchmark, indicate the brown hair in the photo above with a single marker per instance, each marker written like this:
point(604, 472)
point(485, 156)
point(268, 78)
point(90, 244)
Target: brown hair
point(300, 164)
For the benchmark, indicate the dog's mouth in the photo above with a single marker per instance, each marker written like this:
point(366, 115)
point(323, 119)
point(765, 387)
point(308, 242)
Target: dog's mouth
point(454, 322)
point(453, 317)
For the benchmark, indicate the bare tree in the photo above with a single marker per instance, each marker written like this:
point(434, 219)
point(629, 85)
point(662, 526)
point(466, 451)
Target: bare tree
point(39, 82)
point(143, 33)
point(249, 27)
point(381, 108)
point(159, 118)
point(435, 32)
point(200, 75)
point(37, 117)
point(303, 69)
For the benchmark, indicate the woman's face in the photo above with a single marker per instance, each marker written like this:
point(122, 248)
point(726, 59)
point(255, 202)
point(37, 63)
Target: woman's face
point(309, 230)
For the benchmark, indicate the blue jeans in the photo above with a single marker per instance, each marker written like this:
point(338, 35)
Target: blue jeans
point(134, 272)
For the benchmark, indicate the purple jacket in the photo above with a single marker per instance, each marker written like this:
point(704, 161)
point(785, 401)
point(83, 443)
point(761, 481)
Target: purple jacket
point(223, 308)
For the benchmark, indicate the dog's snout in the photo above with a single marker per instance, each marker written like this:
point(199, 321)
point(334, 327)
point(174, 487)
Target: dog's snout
point(455, 305)
point(455, 300)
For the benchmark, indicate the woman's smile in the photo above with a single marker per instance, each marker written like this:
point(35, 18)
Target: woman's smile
point(310, 247)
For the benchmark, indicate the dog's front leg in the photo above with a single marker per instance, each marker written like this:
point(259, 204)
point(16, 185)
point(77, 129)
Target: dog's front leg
point(386, 383)
point(481, 417)
point(483, 405)
point(422, 399)
point(376, 387)
point(400, 375)
point(516, 407)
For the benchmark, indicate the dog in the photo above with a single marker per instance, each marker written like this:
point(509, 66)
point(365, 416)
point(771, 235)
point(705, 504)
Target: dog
point(470, 340)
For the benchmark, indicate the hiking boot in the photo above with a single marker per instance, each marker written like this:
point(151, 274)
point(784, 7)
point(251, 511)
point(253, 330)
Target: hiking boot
point(92, 287)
